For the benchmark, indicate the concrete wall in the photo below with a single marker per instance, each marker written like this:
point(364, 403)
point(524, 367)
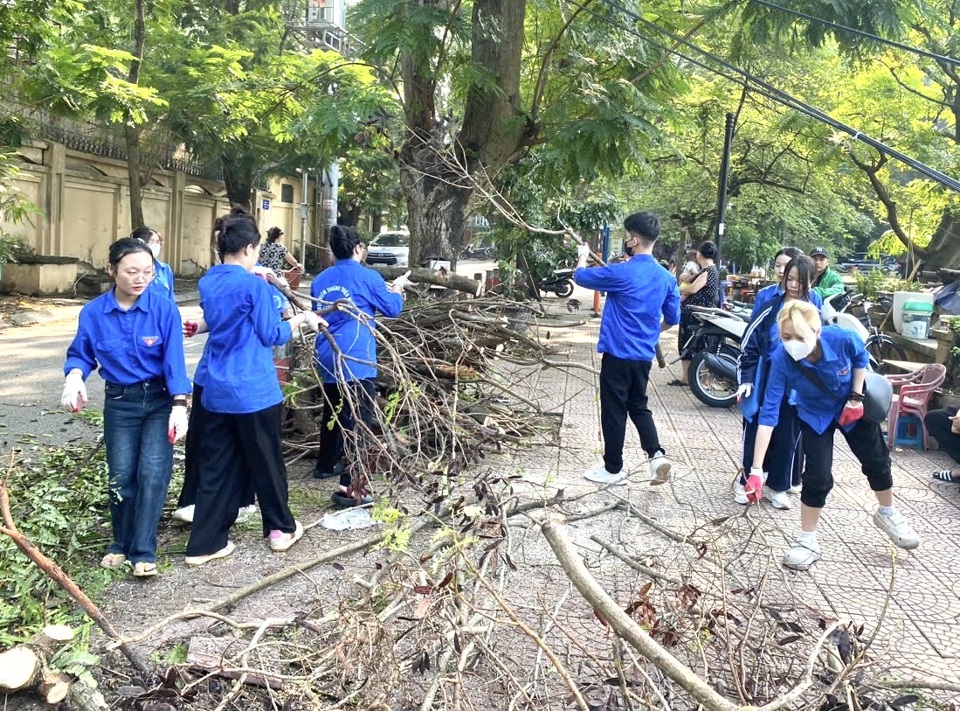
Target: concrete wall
point(84, 205)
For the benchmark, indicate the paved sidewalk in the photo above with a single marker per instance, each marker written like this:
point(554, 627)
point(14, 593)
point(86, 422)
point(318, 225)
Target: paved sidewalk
point(920, 632)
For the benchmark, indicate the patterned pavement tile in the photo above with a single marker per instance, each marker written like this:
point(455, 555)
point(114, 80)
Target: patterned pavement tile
point(920, 632)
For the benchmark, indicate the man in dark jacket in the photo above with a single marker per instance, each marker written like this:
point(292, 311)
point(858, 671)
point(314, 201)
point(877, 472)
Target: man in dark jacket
point(640, 293)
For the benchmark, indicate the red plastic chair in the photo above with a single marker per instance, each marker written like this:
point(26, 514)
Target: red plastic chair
point(914, 398)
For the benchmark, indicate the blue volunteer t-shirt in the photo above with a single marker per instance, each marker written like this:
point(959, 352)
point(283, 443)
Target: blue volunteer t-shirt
point(238, 374)
point(142, 343)
point(843, 351)
point(639, 291)
point(353, 332)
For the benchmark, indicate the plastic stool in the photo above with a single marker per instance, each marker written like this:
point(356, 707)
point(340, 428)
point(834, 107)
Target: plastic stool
point(909, 432)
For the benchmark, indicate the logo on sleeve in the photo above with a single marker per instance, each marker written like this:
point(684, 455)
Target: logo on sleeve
point(843, 372)
point(149, 340)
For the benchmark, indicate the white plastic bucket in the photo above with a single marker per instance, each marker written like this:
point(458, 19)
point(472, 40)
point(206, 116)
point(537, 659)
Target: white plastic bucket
point(902, 297)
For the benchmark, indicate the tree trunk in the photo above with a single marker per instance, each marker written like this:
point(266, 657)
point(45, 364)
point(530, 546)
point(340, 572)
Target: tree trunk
point(439, 176)
point(131, 132)
point(944, 248)
point(239, 171)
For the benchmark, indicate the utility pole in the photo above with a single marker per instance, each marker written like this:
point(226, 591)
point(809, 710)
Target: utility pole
point(304, 215)
point(722, 187)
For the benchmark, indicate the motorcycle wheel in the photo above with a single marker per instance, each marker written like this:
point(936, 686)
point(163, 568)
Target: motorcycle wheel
point(564, 288)
point(710, 389)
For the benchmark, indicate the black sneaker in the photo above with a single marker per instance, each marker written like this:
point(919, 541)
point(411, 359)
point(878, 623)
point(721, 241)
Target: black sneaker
point(337, 471)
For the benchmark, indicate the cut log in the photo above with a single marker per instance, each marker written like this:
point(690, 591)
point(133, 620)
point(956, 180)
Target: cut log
point(23, 666)
point(429, 276)
point(54, 687)
point(19, 669)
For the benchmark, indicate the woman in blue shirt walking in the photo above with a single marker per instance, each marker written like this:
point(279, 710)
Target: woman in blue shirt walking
point(240, 434)
point(784, 463)
point(134, 335)
point(814, 360)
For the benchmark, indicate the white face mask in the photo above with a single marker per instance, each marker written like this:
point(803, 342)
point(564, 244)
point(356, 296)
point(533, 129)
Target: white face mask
point(798, 350)
point(154, 250)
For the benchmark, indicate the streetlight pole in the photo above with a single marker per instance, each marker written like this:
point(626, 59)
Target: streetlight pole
point(722, 187)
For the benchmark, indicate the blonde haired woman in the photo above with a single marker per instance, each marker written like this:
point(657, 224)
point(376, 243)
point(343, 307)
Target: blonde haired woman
point(814, 360)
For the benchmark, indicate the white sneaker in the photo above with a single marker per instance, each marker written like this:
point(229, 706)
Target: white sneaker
point(600, 475)
point(280, 541)
point(184, 514)
point(246, 512)
point(194, 560)
point(802, 554)
point(898, 529)
point(795, 489)
point(739, 493)
point(780, 499)
point(660, 468)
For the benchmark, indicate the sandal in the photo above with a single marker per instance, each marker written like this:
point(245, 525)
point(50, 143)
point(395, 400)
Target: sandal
point(345, 501)
point(143, 569)
point(676, 381)
point(946, 475)
point(113, 560)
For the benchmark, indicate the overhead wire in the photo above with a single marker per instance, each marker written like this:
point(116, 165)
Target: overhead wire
point(764, 88)
point(861, 33)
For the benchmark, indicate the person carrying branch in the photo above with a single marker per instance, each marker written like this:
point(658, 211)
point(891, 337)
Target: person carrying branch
point(814, 360)
point(347, 359)
point(133, 334)
point(640, 293)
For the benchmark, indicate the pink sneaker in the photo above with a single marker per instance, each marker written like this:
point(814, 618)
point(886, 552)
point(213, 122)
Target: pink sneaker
point(280, 541)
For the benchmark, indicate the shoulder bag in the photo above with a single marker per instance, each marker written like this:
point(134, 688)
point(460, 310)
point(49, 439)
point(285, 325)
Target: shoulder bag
point(877, 393)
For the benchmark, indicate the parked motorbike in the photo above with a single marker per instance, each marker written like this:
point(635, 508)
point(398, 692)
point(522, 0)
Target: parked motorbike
point(471, 252)
point(714, 349)
point(561, 283)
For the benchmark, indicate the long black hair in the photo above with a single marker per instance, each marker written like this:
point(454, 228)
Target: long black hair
point(805, 274)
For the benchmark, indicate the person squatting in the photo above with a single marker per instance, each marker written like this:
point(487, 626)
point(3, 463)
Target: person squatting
point(791, 362)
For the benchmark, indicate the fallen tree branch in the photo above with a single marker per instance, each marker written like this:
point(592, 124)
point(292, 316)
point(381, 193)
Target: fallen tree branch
point(624, 626)
point(57, 574)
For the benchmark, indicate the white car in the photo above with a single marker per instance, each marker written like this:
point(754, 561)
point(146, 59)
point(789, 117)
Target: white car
point(391, 248)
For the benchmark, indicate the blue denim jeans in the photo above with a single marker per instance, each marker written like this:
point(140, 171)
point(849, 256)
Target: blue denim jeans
point(139, 461)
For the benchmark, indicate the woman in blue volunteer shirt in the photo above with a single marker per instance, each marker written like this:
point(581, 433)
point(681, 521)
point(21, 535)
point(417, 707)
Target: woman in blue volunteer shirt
point(349, 370)
point(162, 273)
point(814, 360)
point(134, 335)
point(240, 435)
point(785, 462)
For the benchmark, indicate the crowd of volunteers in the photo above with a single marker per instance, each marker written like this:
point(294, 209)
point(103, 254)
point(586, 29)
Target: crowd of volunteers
point(134, 335)
point(799, 383)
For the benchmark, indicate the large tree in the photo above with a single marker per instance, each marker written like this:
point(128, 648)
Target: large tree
point(485, 82)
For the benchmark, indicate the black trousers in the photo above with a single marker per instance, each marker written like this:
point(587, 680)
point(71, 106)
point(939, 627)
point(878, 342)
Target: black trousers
point(623, 392)
point(340, 414)
point(784, 458)
point(191, 457)
point(867, 444)
point(238, 451)
point(938, 425)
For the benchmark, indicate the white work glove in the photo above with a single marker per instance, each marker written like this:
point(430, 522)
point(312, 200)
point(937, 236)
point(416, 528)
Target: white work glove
point(261, 271)
point(74, 395)
point(312, 321)
point(177, 424)
point(401, 281)
point(583, 251)
point(744, 391)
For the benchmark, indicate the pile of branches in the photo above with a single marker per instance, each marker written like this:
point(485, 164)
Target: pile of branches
point(449, 371)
